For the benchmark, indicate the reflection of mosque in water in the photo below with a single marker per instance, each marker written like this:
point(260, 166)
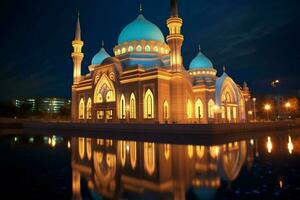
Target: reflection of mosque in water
point(131, 170)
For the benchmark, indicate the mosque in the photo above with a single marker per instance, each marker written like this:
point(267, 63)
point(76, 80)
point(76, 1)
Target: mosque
point(146, 82)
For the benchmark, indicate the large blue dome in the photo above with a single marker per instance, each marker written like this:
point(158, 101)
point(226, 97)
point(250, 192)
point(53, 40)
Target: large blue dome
point(99, 57)
point(200, 61)
point(140, 29)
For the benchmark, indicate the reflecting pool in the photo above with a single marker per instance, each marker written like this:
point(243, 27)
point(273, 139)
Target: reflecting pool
point(54, 167)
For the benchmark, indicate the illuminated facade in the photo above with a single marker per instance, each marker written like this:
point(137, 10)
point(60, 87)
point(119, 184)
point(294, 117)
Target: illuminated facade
point(145, 81)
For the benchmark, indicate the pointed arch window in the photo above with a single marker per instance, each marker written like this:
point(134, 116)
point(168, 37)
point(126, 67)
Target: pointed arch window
point(199, 109)
point(130, 48)
point(189, 109)
point(139, 48)
point(104, 90)
point(89, 109)
point(166, 110)
point(123, 50)
point(122, 107)
point(162, 50)
point(234, 113)
point(211, 107)
point(132, 113)
point(223, 112)
point(147, 48)
point(81, 109)
point(149, 105)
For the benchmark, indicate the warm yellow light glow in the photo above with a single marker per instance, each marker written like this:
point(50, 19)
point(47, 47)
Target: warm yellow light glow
point(132, 107)
point(81, 109)
point(133, 154)
point(211, 108)
point(287, 105)
point(167, 151)
point(234, 113)
point(250, 112)
point(280, 183)
point(267, 107)
point(269, 145)
point(190, 149)
point(53, 143)
point(149, 157)
point(200, 150)
point(252, 142)
point(148, 105)
point(189, 109)
point(199, 109)
point(81, 147)
point(89, 148)
point(122, 108)
point(166, 110)
point(290, 145)
point(69, 145)
point(104, 88)
point(123, 152)
point(223, 112)
point(214, 151)
point(89, 109)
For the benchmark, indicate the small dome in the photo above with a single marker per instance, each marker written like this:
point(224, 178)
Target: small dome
point(140, 29)
point(200, 61)
point(99, 57)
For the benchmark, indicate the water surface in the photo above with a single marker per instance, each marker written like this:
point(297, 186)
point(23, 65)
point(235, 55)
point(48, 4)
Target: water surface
point(54, 167)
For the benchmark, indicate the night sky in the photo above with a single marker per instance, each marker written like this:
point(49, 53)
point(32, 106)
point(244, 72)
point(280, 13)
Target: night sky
point(258, 40)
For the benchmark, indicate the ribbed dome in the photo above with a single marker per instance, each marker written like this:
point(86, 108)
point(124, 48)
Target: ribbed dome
point(200, 61)
point(99, 57)
point(140, 29)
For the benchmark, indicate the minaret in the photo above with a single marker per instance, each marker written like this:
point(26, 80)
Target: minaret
point(175, 39)
point(77, 55)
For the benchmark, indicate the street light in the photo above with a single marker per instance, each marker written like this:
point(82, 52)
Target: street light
point(254, 108)
point(267, 109)
point(287, 106)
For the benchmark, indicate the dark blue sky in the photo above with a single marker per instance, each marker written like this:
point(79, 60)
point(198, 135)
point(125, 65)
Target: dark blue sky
point(258, 40)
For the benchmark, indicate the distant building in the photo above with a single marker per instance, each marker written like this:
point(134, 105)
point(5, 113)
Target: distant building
point(51, 105)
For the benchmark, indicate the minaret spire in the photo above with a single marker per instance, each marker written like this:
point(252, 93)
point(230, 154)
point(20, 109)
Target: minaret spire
point(174, 8)
point(141, 8)
point(175, 38)
point(77, 54)
point(78, 28)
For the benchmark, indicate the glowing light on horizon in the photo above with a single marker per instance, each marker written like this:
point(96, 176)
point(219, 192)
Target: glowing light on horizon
point(290, 145)
point(53, 143)
point(269, 145)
